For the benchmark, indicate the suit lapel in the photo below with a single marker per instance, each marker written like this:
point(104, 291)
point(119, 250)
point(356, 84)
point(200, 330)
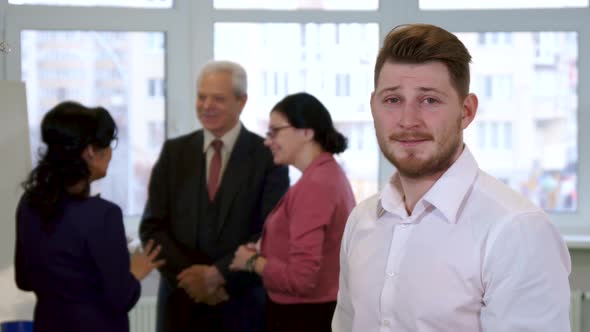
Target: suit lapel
point(236, 171)
point(192, 173)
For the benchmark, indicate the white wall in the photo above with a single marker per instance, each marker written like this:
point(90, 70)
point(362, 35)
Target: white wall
point(14, 151)
point(3, 5)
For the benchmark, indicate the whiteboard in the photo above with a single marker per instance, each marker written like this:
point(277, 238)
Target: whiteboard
point(16, 163)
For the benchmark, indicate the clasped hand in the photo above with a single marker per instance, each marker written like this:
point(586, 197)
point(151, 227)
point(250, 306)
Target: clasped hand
point(241, 256)
point(203, 283)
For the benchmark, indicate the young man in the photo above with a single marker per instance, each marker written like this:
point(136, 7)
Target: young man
point(210, 192)
point(444, 246)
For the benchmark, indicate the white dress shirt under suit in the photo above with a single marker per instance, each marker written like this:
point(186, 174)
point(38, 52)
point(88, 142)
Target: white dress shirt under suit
point(229, 141)
point(473, 256)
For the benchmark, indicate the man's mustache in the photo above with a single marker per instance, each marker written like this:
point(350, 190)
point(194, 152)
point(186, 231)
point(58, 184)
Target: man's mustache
point(411, 136)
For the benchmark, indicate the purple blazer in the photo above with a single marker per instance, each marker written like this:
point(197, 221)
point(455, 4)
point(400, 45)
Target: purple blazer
point(79, 270)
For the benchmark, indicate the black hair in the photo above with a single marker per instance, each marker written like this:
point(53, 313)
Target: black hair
point(67, 129)
point(303, 110)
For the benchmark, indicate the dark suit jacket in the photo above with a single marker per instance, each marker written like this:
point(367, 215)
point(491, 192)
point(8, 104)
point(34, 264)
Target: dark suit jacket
point(250, 187)
point(79, 269)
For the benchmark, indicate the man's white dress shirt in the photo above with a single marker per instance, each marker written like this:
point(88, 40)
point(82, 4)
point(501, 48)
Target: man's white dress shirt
point(229, 140)
point(473, 256)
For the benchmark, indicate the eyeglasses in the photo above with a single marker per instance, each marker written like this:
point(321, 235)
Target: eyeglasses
point(274, 131)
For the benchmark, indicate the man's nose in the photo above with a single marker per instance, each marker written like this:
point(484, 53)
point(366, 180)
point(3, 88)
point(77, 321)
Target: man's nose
point(206, 102)
point(410, 116)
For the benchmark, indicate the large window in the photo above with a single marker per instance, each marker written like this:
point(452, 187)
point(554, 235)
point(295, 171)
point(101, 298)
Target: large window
point(116, 70)
point(297, 4)
point(526, 130)
point(500, 4)
point(283, 58)
point(109, 3)
point(527, 72)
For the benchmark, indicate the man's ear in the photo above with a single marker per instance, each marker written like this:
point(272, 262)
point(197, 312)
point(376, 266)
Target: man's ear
point(469, 110)
point(243, 101)
point(372, 100)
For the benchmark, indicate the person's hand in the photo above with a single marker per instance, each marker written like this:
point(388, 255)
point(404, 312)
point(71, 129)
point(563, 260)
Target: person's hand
point(213, 279)
point(143, 262)
point(201, 282)
point(220, 295)
point(191, 280)
point(254, 246)
point(241, 256)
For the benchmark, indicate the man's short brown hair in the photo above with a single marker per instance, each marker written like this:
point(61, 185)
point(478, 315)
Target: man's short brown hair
point(421, 43)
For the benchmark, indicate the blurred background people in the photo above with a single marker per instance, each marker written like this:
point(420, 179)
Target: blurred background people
point(210, 192)
point(299, 248)
point(71, 249)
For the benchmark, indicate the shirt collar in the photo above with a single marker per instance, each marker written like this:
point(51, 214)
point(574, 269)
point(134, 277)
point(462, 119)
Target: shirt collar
point(448, 193)
point(458, 179)
point(229, 139)
point(392, 197)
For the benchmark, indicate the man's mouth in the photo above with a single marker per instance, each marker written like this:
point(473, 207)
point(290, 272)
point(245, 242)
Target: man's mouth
point(209, 114)
point(411, 142)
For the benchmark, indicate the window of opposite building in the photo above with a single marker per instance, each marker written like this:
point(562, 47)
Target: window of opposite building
point(331, 68)
point(528, 129)
point(112, 70)
point(98, 3)
point(499, 4)
point(297, 4)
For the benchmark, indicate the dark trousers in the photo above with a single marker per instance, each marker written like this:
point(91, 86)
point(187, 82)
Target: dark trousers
point(243, 313)
point(306, 317)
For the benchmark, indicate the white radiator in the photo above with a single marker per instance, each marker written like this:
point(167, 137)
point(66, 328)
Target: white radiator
point(142, 318)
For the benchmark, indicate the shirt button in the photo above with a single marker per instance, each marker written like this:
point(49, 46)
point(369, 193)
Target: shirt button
point(386, 322)
point(391, 273)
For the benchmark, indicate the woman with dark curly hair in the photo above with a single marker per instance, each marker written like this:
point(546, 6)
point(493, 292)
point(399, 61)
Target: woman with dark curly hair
point(71, 249)
point(298, 256)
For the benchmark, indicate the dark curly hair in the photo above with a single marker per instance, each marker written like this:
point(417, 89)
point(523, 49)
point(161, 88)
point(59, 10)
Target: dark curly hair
point(66, 130)
point(303, 110)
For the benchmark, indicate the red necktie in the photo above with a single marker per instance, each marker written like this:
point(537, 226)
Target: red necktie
point(214, 169)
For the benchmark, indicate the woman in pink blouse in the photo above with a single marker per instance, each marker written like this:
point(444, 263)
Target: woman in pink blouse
point(298, 256)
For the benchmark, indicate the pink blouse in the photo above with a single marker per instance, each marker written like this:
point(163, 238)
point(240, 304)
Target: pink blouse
point(301, 237)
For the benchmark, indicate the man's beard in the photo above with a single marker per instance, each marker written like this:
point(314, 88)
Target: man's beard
point(412, 166)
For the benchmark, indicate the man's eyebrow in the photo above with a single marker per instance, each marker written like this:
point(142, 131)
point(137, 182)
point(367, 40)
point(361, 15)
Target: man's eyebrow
point(422, 88)
point(429, 89)
point(388, 89)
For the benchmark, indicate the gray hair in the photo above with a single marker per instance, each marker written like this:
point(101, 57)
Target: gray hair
point(238, 74)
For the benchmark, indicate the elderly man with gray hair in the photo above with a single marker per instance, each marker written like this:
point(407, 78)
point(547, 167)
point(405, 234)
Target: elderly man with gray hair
point(210, 191)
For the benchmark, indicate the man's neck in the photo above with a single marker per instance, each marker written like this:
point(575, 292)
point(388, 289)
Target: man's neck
point(415, 188)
